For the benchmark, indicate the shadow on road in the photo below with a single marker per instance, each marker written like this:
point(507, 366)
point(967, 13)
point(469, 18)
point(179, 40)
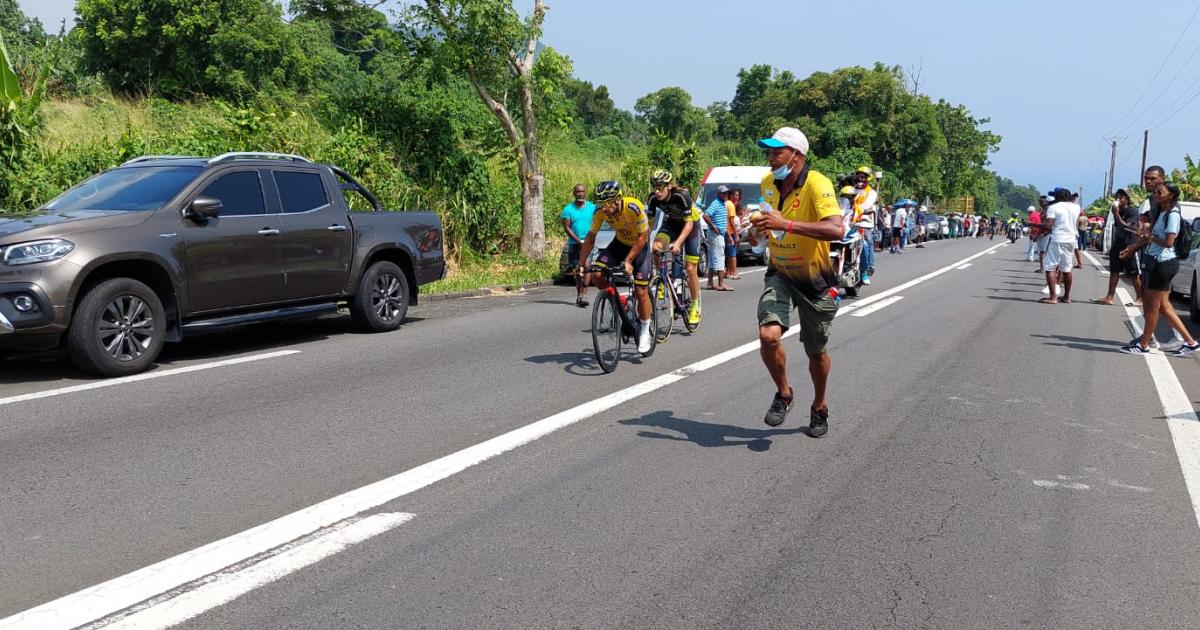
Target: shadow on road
point(582, 363)
point(707, 434)
point(55, 366)
point(1082, 343)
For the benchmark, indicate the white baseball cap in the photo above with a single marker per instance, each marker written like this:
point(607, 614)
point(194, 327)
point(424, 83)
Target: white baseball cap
point(786, 137)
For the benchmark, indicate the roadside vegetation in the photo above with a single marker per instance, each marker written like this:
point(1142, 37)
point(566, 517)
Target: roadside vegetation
point(480, 123)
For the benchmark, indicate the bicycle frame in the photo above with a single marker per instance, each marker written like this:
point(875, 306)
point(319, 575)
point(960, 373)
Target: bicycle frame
point(665, 261)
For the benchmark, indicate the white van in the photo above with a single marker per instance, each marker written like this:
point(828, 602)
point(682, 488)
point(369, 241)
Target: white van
point(747, 179)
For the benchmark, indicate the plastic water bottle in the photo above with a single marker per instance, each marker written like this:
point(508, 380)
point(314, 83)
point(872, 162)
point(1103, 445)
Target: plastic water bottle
point(836, 294)
point(764, 206)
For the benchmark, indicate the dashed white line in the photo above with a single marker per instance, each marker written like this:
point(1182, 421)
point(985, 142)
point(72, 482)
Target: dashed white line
point(143, 377)
point(878, 306)
point(1177, 408)
point(119, 594)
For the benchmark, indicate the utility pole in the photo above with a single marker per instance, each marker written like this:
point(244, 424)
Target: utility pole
point(1145, 144)
point(1112, 167)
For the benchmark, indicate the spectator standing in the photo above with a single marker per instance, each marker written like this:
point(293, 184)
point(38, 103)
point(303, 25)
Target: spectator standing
point(1125, 225)
point(887, 229)
point(731, 234)
point(1035, 229)
point(899, 219)
point(577, 220)
point(922, 234)
point(866, 201)
point(1161, 267)
point(717, 218)
point(1060, 222)
point(800, 276)
point(1081, 228)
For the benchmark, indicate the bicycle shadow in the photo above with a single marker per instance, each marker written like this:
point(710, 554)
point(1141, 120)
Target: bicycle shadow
point(582, 363)
point(708, 435)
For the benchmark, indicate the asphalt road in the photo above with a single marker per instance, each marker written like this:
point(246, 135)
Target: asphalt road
point(991, 462)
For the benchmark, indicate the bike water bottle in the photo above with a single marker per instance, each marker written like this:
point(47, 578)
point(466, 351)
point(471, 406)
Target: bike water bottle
point(624, 300)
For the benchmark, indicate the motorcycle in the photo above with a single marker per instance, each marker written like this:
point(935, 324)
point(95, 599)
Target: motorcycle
point(1014, 233)
point(845, 256)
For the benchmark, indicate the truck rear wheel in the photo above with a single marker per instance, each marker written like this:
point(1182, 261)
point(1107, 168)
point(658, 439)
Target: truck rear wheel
point(381, 302)
point(118, 328)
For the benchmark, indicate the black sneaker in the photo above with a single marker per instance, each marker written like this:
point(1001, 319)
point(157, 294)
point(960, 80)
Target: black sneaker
point(581, 302)
point(1184, 350)
point(1135, 348)
point(778, 412)
point(818, 423)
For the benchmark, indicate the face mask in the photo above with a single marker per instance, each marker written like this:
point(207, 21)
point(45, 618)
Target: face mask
point(782, 172)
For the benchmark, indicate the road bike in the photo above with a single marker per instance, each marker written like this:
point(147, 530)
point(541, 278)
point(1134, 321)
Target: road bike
point(615, 319)
point(671, 295)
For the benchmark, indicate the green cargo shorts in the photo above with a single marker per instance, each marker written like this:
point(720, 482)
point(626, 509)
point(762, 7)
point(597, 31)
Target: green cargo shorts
point(775, 306)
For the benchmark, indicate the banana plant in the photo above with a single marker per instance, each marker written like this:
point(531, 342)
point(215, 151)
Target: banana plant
point(20, 118)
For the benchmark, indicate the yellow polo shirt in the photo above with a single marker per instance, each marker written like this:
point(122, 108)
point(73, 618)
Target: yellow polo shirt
point(803, 260)
point(630, 222)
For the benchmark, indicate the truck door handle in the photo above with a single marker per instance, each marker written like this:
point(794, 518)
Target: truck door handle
point(336, 228)
point(268, 232)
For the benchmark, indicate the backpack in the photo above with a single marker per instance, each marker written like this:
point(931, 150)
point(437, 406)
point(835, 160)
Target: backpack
point(1183, 240)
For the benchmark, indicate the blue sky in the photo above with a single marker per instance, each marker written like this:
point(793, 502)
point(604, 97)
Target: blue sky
point(1054, 76)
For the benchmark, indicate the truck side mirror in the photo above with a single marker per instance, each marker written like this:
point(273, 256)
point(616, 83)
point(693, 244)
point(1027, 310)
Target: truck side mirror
point(204, 208)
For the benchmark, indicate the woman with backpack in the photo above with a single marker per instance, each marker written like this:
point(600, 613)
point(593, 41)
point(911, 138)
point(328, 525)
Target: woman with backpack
point(1163, 243)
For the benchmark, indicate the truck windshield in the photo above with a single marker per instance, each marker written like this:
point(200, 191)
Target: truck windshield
point(126, 189)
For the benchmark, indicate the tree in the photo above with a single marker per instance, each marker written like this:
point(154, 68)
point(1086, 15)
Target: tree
point(670, 112)
point(489, 42)
point(182, 48)
point(1188, 179)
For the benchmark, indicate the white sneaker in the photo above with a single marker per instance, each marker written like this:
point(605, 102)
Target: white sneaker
point(645, 340)
point(866, 281)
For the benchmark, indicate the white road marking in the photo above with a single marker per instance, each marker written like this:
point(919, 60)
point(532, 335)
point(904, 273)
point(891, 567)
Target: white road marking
point(878, 306)
point(1177, 408)
point(1045, 483)
point(962, 267)
point(226, 586)
point(143, 377)
point(755, 270)
point(995, 252)
point(1099, 267)
point(121, 593)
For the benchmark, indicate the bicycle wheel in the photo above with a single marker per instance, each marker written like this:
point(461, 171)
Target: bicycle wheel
point(606, 331)
point(664, 309)
point(689, 298)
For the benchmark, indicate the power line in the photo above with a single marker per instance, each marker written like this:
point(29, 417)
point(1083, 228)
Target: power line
point(1178, 111)
point(1157, 72)
point(1163, 92)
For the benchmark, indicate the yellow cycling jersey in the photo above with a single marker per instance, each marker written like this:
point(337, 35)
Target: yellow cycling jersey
point(630, 222)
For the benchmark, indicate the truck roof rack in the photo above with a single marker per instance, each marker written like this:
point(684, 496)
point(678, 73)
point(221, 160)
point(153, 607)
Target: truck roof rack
point(151, 158)
point(251, 155)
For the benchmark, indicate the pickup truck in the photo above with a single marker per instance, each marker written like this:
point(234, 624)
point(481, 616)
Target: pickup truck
point(163, 247)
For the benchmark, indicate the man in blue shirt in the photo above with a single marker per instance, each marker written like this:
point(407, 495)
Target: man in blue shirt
point(577, 220)
point(717, 217)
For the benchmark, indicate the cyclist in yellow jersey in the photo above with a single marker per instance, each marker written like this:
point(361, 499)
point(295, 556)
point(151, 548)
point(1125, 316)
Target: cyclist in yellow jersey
point(803, 218)
point(680, 231)
point(629, 247)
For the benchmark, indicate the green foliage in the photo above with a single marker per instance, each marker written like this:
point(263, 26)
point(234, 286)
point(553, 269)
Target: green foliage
point(184, 48)
point(670, 112)
point(1014, 197)
point(20, 120)
point(1188, 179)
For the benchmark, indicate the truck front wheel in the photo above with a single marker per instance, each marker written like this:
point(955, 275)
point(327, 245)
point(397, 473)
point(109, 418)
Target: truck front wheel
point(382, 298)
point(118, 328)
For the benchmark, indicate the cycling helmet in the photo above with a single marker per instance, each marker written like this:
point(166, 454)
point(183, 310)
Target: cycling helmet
point(608, 190)
point(661, 177)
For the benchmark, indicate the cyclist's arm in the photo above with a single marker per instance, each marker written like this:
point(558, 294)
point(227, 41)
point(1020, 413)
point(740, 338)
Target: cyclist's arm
point(585, 250)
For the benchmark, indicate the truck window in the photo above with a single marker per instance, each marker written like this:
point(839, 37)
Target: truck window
point(300, 192)
point(129, 189)
point(240, 194)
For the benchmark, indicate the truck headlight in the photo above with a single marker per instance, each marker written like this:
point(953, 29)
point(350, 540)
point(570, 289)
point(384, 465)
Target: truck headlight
point(37, 251)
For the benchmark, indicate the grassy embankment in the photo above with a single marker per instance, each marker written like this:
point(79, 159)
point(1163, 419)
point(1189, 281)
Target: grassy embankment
point(81, 138)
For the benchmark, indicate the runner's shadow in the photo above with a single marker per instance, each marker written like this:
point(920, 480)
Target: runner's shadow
point(706, 434)
point(1082, 343)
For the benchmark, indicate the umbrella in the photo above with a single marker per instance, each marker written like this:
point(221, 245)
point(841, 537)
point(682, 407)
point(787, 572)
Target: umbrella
point(1094, 219)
